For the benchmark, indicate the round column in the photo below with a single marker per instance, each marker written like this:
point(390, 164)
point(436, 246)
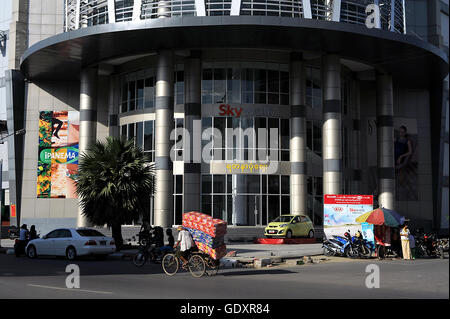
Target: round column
point(164, 106)
point(192, 123)
point(297, 143)
point(88, 119)
point(385, 141)
point(331, 129)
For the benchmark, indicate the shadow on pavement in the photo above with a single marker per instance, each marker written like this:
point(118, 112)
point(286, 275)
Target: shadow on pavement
point(256, 272)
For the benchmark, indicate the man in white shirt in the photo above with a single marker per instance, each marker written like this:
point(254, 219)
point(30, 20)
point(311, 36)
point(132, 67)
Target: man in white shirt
point(186, 244)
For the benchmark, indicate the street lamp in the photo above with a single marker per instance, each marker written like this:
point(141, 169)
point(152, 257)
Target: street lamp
point(2, 139)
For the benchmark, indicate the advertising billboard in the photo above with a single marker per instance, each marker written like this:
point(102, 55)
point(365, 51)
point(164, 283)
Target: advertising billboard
point(340, 212)
point(58, 154)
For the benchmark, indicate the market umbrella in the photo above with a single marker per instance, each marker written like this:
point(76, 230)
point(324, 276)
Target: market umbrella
point(382, 216)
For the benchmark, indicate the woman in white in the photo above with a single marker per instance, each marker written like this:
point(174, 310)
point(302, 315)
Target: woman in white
point(404, 235)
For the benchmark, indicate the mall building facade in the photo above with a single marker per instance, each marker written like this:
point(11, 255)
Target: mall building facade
point(340, 84)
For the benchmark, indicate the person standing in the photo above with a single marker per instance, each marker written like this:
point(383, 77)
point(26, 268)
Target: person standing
point(404, 235)
point(19, 248)
point(412, 245)
point(33, 233)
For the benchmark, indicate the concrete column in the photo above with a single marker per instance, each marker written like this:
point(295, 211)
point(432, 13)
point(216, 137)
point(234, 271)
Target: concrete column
point(331, 129)
point(356, 137)
point(385, 138)
point(192, 124)
point(164, 104)
point(297, 143)
point(88, 118)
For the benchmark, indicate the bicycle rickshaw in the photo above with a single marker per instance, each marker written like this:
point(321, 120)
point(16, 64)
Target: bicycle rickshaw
point(199, 264)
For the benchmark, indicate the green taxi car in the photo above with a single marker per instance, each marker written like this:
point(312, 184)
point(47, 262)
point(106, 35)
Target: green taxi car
point(289, 226)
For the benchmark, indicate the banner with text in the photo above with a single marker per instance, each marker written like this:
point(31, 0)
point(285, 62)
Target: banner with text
point(340, 212)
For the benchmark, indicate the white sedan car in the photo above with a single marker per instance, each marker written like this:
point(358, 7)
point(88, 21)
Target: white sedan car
point(71, 242)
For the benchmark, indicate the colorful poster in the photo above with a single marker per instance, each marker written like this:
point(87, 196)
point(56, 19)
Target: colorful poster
point(367, 231)
point(58, 154)
point(340, 212)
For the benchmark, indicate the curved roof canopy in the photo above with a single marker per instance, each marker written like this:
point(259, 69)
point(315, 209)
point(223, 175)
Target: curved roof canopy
point(407, 58)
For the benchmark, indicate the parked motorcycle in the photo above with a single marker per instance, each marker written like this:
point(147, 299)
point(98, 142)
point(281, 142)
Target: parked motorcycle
point(441, 247)
point(426, 244)
point(13, 232)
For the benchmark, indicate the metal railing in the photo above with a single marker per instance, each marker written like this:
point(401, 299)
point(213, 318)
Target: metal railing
point(85, 13)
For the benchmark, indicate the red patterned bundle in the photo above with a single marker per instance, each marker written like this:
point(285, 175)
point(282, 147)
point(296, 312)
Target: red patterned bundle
point(205, 223)
point(215, 253)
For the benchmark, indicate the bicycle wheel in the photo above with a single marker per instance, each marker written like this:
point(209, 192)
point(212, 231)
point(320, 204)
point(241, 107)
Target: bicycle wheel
point(170, 264)
point(197, 266)
point(139, 259)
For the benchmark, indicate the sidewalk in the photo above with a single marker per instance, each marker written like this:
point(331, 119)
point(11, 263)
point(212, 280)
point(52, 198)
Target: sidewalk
point(245, 252)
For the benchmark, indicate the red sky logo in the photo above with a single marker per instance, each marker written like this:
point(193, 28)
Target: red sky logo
point(227, 110)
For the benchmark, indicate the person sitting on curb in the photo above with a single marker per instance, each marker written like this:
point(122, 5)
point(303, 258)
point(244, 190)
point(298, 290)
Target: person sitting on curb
point(186, 244)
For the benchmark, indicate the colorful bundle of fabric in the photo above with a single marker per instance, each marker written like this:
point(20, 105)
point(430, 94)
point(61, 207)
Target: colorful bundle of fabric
point(215, 253)
point(212, 226)
point(207, 232)
point(199, 236)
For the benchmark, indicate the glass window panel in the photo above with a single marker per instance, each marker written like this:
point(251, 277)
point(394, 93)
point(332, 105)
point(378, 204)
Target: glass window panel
point(219, 86)
point(274, 207)
point(219, 206)
point(179, 184)
point(207, 86)
point(233, 85)
point(178, 209)
point(260, 80)
point(206, 204)
point(131, 132)
point(285, 184)
point(148, 136)
point(274, 184)
point(206, 184)
point(149, 92)
point(219, 184)
point(284, 82)
point(140, 134)
point(253, 186)
point(285, 205)
point(124, 131)
point(273, 81)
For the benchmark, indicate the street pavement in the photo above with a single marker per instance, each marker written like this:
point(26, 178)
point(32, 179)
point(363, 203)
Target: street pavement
point(248, 250)
point(339, 278)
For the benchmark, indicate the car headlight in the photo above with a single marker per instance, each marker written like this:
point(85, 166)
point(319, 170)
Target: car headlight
point(283, 225)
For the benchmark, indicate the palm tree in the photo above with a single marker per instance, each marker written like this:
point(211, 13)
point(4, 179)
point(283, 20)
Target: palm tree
point(114, 184)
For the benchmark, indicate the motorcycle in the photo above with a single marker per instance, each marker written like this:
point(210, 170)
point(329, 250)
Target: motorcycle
point(13, 232)
point(426, 245)
point(364, 247)
point(340, 246)
point(442, 247)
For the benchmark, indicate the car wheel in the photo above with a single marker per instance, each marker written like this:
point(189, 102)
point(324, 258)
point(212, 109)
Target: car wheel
point(289, 234)
point(31, 252)
point(311, 234)
point(71, 253)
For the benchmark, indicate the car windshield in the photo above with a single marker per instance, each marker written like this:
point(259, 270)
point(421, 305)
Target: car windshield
point(89, 233)
point(283, 219)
